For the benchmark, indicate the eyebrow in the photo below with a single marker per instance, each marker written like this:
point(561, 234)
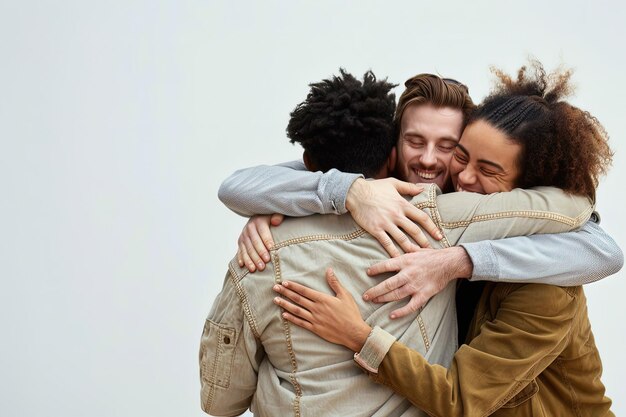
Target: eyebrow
point(482, 161)
point(419, 135)
point(450, 138)
point(412, 135)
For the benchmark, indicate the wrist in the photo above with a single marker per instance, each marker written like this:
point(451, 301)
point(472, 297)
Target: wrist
point(354, 192)
point(359, 337)
point(460, 263)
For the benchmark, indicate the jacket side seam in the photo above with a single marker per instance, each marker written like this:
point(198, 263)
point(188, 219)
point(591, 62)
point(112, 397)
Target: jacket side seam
point(213, 374)
point(572, 393)
point(290, 351)
point(423, 331)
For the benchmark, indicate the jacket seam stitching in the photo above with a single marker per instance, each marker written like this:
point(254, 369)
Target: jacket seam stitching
point(534, 390)
point(244, 302)
point(532, 214)
point(423, 331)
point(572, 393)
point(213, 374)
point(290, 351)
point(311, 238)
point(431, 203)
point(515, 389)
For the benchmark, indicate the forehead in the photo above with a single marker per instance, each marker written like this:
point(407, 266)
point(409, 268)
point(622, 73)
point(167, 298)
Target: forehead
point(485, 142)
point(429, 121)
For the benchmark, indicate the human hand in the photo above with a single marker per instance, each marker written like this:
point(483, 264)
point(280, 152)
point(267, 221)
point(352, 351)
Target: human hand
point(378, 207)
point(421, 275)
point(256, 240)
point(334, 319)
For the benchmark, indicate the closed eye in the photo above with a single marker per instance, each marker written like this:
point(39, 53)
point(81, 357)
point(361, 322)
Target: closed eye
point(446, 148)
point(488, 172)
point(460, 157)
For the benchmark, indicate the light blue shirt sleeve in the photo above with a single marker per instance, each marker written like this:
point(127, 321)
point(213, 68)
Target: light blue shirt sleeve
point(564, 259)
point(288, 189)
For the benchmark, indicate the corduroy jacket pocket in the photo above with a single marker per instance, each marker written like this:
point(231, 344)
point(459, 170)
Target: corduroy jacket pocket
point(221, 340)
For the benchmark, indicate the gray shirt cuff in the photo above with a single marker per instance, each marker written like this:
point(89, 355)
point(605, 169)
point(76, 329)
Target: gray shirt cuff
point(336, 188)
point(486, 267)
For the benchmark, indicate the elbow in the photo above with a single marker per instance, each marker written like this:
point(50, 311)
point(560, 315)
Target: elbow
point(224, 193)
point(219, 401)
point(617, 261)
point(219, 408)
point(612, 258)
point(230, 199)
point(214, 409)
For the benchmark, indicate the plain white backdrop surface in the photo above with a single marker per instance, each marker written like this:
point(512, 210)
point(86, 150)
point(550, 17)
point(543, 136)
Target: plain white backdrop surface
point(119, 120)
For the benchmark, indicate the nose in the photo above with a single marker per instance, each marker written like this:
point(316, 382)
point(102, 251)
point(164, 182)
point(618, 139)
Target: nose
point(429, 158)
point(467, 176)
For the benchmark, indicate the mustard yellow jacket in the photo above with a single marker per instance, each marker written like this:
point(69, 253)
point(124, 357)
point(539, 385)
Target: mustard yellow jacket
point(531, 353)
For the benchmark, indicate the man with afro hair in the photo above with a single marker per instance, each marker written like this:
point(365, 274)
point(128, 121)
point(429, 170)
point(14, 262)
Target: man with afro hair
point(249, 356)
point(346, 124)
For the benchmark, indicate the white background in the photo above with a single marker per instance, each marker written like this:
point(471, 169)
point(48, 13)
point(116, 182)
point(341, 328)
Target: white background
point(118, 121)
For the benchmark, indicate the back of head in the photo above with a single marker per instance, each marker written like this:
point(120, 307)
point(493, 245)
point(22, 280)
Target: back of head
point(432, 89)
point(346, 124)
point(563, 146)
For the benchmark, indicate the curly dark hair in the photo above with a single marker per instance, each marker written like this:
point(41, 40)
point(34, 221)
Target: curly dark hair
point(346, 124)
point(563, 146)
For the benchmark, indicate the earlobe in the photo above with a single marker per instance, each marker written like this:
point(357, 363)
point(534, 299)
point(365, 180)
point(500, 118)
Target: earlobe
point(307, 161)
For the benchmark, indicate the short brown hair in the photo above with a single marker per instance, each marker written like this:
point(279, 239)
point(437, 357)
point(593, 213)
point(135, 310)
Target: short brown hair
point(432, 89)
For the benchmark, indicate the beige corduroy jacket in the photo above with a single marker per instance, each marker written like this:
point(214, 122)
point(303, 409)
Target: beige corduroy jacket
point(251, 358)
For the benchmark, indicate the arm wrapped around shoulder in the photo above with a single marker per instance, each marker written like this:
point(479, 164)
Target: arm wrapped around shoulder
point(469, 217)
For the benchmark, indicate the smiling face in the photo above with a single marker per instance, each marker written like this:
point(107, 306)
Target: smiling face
point(485, 160)
point(428, 136)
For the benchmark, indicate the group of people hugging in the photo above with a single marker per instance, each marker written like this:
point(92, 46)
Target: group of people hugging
point(423, 258)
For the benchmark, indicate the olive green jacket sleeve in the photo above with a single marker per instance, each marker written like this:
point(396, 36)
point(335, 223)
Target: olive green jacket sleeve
point(491, 370)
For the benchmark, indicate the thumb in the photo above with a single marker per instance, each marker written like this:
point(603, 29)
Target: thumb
point(333, 282)
point(276, 219)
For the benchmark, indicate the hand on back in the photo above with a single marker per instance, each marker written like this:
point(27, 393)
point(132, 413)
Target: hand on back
point(379, 207)
point(420, 276)
point(256, 240)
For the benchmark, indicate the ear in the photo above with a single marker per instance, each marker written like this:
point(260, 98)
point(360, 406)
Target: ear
point(391, 161)
point(307, 162)
point(387, 169)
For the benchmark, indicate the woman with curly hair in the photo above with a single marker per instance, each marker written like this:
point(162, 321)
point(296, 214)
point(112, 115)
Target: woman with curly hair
point(529, 349)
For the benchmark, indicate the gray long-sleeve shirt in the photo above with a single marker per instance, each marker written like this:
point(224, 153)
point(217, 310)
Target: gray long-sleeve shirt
point(585, 256)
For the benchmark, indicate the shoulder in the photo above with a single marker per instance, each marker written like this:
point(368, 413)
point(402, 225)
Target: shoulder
point(298, 230)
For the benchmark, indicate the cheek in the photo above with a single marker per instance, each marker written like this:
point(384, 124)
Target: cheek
point(446, 159)
point(495, 185)
point(507, 186)
point(455, 166)
point(455, 169)
point(408, 152)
